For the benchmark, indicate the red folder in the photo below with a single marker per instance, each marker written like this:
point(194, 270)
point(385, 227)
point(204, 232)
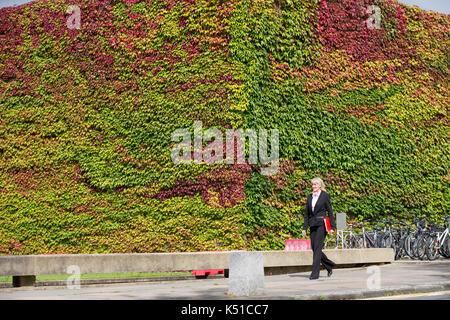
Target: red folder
point(326, 220)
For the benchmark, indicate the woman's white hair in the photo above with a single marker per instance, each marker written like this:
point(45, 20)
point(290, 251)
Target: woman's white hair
point(320, 182)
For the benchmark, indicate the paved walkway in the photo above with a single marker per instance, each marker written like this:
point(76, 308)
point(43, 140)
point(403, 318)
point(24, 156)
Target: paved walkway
point(352, 283)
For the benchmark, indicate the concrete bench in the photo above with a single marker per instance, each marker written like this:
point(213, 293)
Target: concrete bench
point(25, 268)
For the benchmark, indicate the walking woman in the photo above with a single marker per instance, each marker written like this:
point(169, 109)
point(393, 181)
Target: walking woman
point(318, 206)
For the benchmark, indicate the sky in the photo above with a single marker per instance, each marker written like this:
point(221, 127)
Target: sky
point(442, 6)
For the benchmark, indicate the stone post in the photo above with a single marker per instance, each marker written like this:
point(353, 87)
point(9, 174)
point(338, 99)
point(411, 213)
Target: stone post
point(246, 273)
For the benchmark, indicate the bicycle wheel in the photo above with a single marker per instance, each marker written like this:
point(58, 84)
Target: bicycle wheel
point(421, 248)
point(399, 249)
point(414, 247)
point(444, 250)
point(432, 248)
point(357, 242)
point(386, 241)
point(349, 241)
point(408, 244)
point(331, 243)
point(370, 241)
point(379, 240)
point(399, 239)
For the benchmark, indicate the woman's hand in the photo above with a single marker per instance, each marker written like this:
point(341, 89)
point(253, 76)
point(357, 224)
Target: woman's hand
point(304, 233)
point(332, 231)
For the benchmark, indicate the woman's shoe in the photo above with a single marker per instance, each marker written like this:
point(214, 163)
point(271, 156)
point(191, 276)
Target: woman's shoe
point(330, 272)
point(313, 278)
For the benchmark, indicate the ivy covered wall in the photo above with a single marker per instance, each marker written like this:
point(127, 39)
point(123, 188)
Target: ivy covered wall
point(86, 117)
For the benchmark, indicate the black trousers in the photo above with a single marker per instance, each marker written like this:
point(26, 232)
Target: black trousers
point(317, 238)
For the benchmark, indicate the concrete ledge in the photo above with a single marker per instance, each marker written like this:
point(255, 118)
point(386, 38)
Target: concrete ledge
point(111, 263)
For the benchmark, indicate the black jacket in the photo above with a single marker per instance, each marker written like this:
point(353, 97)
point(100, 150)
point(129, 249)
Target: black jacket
point(321, 209)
